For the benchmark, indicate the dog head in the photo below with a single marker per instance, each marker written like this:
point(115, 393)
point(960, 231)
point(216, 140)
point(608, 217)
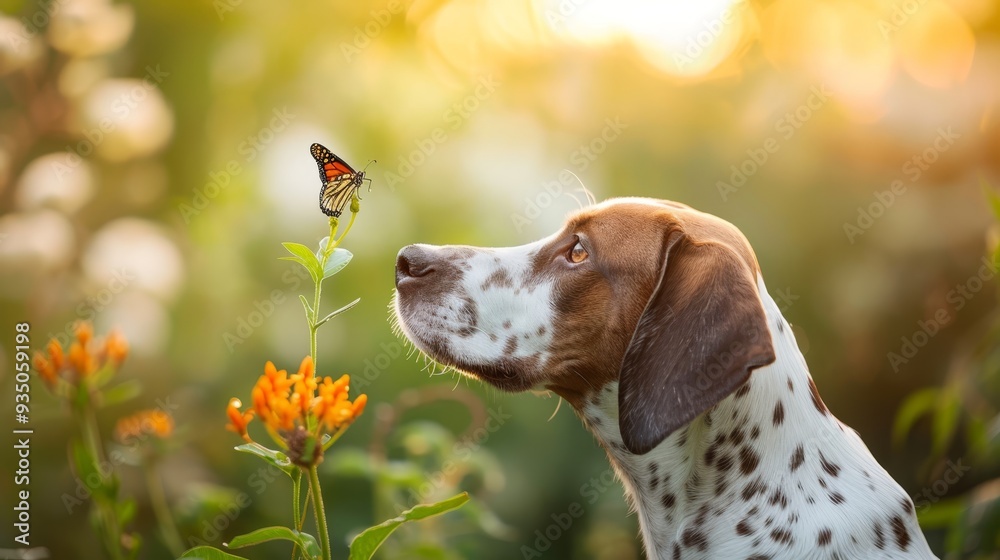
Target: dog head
point(654, 295)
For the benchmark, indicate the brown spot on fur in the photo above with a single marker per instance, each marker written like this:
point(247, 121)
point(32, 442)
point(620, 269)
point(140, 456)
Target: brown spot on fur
point(798, 457)
point(693, 538)
point(824, 537)
point(754, 487)
point(668, 500)
point(499, 278)
point(736, 436)
point(899, 531)
point(511, 345)
point(830, 468)
point(779, 414)
point(779, 498)
point(748, 460)
point(782, 536)
point(907, 505)
point(817, 401)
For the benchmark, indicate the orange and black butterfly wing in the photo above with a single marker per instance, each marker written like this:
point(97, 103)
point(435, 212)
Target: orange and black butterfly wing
point(339, 179)
point(336, 194)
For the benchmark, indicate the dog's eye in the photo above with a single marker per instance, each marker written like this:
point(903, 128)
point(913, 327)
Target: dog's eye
point(578, 254)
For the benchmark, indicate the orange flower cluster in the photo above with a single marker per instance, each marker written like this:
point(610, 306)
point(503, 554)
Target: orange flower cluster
point(287, 403)
point(144, 423)
point(85, 356)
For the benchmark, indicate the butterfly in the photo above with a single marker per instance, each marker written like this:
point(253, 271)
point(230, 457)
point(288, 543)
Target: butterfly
point(340, 180)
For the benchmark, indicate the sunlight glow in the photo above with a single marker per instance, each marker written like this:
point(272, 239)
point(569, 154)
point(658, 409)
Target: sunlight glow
point(679, 38)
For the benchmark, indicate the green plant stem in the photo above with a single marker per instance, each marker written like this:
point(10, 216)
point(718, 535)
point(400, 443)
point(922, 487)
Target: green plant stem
point(319, 511)
point(158, 499)
point(297, 499)
point(331, 244)
point(296, 502)
point(105, 512)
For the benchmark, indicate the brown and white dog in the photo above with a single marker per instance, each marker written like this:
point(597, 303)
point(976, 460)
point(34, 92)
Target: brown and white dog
point(652, 320)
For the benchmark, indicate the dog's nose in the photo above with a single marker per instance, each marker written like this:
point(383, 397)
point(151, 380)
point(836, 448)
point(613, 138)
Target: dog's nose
point(412, 262)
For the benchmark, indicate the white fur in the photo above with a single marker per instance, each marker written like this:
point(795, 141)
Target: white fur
point(868, 498)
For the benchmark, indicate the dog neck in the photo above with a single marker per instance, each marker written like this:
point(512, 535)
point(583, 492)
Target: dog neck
point(768, 469)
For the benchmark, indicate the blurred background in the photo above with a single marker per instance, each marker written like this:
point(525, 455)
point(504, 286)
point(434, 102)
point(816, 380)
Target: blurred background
point(154, 155)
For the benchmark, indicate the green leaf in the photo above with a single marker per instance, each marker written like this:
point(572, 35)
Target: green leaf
point(915, 406)
point(337, 312)
point(306, 306)
point(978, 437)
point(363, 546)
point(322, 246)
point(306, 542)
point(337, 261)
point(276, 458)
point(945, 421)
point(102, 487)
point(305, 257)
point(101, 377)
point(941, 514)
point(123, 392)
point(208, 553)
point(991, 194)
point(125, 511)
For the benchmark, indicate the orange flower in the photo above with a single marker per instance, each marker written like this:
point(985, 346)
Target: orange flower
point(82, 361)
point(238, 420)
point(85, 356)
point(298, 406)
point(56, 354)
point(144, 423)
point(116, 347)
point(84, 332)
point(46, 370)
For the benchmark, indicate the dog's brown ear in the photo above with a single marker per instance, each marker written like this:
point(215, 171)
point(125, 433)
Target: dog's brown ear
point(703, 331)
